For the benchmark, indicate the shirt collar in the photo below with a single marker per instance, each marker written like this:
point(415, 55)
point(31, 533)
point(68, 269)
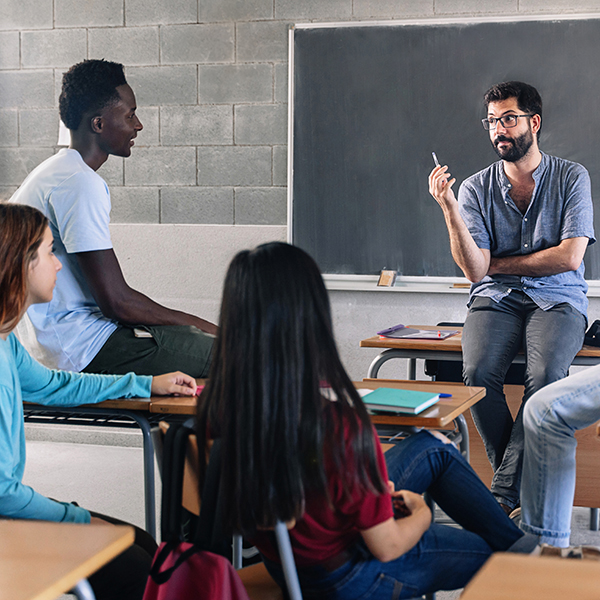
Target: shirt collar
point(537, 174)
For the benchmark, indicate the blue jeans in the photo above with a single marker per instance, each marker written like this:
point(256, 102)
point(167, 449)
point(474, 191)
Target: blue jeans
point(493, 334)
point(551, 418)
point(445, 557)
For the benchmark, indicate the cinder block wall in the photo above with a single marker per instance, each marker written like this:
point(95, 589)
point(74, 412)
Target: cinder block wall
point(211, 81)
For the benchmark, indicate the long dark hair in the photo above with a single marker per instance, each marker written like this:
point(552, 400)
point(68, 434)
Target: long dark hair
point(274, 349)
point(21, 232)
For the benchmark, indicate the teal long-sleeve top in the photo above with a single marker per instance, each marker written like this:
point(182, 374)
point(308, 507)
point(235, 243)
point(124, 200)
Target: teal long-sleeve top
point(24, 379)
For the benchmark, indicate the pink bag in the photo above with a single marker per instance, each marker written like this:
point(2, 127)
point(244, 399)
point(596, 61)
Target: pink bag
point(189, 573)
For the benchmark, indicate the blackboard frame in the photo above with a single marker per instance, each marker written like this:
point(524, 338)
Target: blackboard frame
point(294, 205)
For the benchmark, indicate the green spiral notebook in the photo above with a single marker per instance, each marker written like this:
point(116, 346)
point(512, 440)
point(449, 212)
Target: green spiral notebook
point(399, 401)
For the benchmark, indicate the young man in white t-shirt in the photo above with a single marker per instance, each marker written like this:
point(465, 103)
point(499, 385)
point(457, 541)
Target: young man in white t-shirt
point(89, 325)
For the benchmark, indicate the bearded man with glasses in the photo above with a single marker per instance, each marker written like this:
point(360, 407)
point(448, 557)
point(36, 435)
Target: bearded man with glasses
point(519, 231)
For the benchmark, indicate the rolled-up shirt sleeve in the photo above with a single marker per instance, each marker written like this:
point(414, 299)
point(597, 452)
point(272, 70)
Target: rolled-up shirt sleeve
point(470, 211)
point(578, 218)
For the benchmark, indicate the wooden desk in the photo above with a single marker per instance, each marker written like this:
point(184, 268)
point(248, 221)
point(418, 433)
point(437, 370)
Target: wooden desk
point(138, 410)
point(521, 577)
point(587, 490)
point(440, 416)
point(117, 413)
point(143, 410)
point(41, 560)
point(448, 349)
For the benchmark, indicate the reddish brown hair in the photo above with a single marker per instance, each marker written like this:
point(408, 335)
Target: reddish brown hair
point(21, 232)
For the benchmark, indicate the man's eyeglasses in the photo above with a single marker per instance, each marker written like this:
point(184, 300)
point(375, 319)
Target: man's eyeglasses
point(506, 121)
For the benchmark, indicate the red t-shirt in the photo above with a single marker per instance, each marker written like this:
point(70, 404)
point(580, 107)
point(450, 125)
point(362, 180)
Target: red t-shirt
point(323, 531)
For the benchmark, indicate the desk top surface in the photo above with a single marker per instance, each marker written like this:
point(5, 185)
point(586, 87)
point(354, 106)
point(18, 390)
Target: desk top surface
point(451, 344)
point(440, 415)
point(520, 577)
point(40, 560)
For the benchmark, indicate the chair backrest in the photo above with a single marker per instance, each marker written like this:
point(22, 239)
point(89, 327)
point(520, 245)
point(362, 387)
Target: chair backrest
point(190, 499)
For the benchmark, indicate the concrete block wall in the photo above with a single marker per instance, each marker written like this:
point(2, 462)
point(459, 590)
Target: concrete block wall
point(211, 81)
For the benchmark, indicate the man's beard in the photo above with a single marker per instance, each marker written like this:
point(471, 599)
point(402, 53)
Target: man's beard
point(518, 148)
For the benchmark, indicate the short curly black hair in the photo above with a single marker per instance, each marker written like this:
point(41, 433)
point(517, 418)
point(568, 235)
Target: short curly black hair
point(89, 86)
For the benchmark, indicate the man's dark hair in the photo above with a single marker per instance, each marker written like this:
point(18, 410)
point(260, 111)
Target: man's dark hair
point(88, 86)
point(528, 98)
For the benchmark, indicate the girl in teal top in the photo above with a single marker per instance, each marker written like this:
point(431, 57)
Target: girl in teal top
point(28, 270)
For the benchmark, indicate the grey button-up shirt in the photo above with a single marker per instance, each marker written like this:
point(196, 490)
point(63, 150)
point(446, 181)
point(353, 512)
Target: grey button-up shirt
point(560, 208)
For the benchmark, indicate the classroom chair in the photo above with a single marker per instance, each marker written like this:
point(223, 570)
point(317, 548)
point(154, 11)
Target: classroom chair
point(256, 579)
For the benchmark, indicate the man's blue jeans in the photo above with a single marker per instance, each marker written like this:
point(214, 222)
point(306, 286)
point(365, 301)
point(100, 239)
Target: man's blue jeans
point(551, 418)
point(493, 334)
point(445, 557)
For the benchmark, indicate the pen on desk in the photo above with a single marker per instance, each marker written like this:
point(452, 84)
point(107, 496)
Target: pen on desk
point(445, 395)
point(435, 159)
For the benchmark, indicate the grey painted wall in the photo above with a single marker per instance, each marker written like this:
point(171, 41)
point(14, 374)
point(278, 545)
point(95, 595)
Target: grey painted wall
point(211, 82)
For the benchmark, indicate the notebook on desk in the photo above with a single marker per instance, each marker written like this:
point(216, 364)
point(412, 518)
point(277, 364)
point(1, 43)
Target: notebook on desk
point(398, 401)
point(401, 331)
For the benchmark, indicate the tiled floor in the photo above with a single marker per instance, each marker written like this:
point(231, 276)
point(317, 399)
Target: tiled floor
point(108, 479)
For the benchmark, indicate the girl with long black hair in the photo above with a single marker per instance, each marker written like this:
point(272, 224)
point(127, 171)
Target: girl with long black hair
point(298, 446)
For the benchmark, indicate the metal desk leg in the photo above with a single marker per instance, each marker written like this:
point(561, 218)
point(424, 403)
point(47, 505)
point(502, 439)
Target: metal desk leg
point(412, 368)
point(388, 354)
point(461, 424)
point(149, 484)
point(83, 591)
point(594, 514)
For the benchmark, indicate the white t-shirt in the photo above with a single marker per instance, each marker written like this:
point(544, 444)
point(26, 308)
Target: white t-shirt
point(71, 328)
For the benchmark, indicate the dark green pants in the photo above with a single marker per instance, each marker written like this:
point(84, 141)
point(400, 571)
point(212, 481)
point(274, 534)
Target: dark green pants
point(171, 348)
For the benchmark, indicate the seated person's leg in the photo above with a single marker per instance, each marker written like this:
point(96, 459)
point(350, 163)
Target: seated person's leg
point(171, 348)
point(551, 418)
point(124, 577)
point(491, 338)
point(551, 340)
point(423, 463)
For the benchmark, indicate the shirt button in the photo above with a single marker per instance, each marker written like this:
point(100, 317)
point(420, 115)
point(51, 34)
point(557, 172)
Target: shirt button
point(525, 219)
point(525, 245)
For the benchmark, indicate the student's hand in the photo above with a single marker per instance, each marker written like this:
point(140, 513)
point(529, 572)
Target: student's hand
point(440, 187)
point(414, 502)
point(173, 383)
